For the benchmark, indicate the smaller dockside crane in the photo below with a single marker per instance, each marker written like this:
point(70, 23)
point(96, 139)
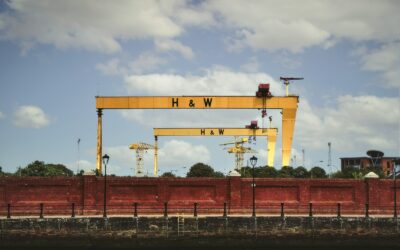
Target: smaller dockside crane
point(140, 148)
point(239, 150)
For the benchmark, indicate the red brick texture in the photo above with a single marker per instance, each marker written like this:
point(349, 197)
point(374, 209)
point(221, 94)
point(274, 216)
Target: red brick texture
point(24, 194)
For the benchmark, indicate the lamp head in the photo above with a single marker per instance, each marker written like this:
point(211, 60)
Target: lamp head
point(253, 160)
point(106, 158)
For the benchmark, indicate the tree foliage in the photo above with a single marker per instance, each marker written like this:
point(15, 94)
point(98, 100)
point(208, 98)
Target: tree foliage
point(203, 170)
point(246, 172)
point(286, 172)
point(4, 173)
point(168, 174)
point(218, 174)
point(356, 173)
point(259, 172)
point(318, 172)
point(39, 168)
point(301, 172)
point(266, 172)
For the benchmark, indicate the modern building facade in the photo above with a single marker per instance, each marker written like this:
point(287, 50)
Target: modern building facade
point(386, 163)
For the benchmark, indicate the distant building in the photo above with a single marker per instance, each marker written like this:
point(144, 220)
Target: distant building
point(386, 163)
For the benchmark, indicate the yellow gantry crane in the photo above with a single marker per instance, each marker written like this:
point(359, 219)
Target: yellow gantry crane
point(270, 133)
point(288, 105)
point(140, 148)
point(239, 150)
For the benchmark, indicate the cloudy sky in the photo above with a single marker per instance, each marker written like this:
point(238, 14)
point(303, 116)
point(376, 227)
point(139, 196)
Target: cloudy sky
point(56, 56)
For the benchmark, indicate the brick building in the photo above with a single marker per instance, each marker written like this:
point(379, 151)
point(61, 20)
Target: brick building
point(386, 163)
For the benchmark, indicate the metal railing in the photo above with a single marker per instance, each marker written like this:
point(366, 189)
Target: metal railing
point(42, 210)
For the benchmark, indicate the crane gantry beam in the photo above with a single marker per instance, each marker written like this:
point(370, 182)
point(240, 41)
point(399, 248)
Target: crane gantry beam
point(195, 102)
point(288, 105)
point(215, 132)
point(270, 133)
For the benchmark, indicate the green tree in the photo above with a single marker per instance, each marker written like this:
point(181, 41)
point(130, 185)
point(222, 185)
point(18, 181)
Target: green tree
point(259, 172)
point(81, 172)
point(168, 174)
point(200, 170)
point(317, 172)
point(266, 172)
point(286, 172)
point(4, 173)
point(218, 174)
point(351, 172)
point(357, 173)
point(39, 168)
point(301, 172)
point(246, 171)
point(338, 174)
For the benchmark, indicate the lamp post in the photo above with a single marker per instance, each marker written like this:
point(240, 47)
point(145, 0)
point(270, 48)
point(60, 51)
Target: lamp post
point(396, 163)
point(106, 158)
point(253, 161)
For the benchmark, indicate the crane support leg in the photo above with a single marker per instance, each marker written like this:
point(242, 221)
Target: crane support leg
point(288, 120)
point(271, 150)
point(155, 156)
point(99, 141)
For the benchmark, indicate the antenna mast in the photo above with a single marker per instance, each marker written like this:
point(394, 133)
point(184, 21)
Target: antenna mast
point(78, 142)
point(329, 157)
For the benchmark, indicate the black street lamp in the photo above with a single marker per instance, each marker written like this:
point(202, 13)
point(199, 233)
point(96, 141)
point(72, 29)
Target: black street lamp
point(106, 158)
point(396, 163)
point(253, 161)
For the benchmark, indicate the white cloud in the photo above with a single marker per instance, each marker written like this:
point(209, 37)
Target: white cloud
point(143, 63)
point(30, 117)
point(170, 45)
point(268, 25)
point(146, 62)
point(354, 123)
point(251, 66)
point(215, 81)
point(175, 153)
point(296, 25)
point(121, 155)
point(111, 67)
point(84, 165)
point(188, 13)
point(92, 25)
point(385, 60)
point(2, 115)
point(304, 32)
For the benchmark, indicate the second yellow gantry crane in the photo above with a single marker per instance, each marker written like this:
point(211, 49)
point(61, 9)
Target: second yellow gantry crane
point(270, 133)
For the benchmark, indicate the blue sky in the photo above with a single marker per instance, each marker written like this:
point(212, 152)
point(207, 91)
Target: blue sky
point(56, 56)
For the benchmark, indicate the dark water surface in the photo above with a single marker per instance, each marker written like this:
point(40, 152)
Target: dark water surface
point(205, 244)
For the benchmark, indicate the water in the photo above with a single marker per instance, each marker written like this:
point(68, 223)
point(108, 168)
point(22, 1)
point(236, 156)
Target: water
point(293, 243)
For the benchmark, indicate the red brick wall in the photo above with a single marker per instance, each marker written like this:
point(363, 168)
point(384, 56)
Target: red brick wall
point(57, 194)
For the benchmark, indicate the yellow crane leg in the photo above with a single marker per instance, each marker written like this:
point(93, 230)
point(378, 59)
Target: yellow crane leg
point(155, 156)
point(288, 120)
point(99, 141)
point(271, 150)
